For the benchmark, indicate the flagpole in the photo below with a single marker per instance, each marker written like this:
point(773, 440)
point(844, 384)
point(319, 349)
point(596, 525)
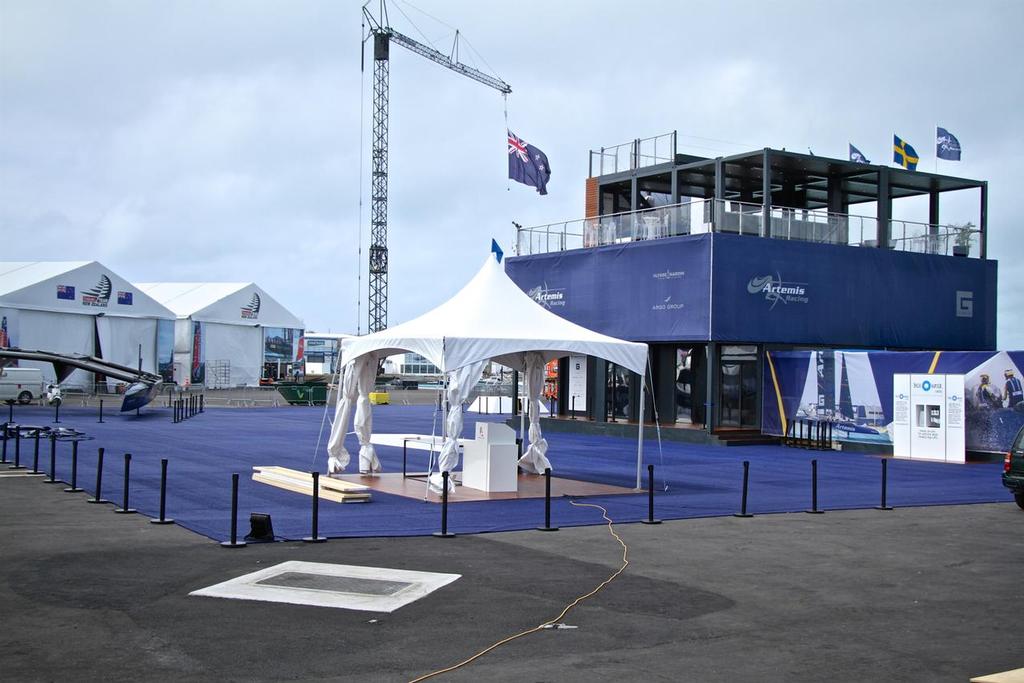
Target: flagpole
point(936, 149)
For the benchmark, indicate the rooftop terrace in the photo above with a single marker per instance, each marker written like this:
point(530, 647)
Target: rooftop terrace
point(645, 189)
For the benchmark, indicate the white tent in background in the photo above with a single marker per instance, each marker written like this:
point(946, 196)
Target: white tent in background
point(489, 319)
point(81, 307)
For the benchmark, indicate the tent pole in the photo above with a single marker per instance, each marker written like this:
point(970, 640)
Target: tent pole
point(523, 407)
point(640, 434)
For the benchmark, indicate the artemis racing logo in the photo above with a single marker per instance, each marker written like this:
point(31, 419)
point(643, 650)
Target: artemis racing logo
point(546, 297)
point(775, 290)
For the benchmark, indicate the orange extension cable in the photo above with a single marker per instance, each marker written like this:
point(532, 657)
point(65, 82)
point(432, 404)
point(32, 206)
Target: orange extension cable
point(546, 624)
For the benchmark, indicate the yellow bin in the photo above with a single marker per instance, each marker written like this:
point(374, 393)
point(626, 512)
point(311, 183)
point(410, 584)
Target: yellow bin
point(380, 398)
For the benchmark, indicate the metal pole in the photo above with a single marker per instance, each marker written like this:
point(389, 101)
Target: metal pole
point(814, 489)
point(124, 509)
point(35, 455)
point(17, 449)
point(234, 543)
point(163, 495)
point(547, 502)
point(53, 460)
point(443, 533)
point(640, 433)
point(56, 412)
point(101, 411)
point(650, 498)
point(3, 459)
point(99, 479)
point(883, 506)
point(743, 505)
point(315, 536)
point(74, 469)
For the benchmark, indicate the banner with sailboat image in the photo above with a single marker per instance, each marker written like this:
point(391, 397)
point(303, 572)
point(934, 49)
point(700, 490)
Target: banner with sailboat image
point(853, 391)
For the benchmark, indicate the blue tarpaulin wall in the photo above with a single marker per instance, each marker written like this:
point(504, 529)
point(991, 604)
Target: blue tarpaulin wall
point(748, 289)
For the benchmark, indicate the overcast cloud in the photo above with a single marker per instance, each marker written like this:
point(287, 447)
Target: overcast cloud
point(221, 140)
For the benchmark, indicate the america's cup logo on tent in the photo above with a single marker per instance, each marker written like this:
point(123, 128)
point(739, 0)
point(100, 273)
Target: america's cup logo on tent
point(252, 311)
point(98, 295)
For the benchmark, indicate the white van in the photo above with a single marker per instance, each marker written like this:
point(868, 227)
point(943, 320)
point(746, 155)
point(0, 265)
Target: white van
point(23, 385)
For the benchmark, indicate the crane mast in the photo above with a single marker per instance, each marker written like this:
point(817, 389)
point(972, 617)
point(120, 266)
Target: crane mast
point(383, 36)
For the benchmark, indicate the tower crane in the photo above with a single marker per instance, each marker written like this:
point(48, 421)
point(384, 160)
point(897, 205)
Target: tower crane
point(383, 36)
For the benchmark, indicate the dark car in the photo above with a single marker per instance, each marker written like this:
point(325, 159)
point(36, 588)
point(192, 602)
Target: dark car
point(1013, 469)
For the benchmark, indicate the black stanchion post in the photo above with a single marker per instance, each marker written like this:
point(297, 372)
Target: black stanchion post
point(74, 470)
point(17, 449)
point(124, 509)
point(883, 506)
point(650, 498)
point(814, 489)
point(573, 402)
point(443, 533)
point(99, 479)
point(234, 542)
point(831, 445)
point(547, 502)
point(3, 458)
point(35, 455)
point(314, 536)
point(743, 503)
point(202, 403)
point(10, 412)
point(101, 411)
point(56, 412)
point(163, 495)
point(53, 460)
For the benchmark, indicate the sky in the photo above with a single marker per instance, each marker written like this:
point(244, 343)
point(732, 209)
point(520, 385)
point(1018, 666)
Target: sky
point(230, 141)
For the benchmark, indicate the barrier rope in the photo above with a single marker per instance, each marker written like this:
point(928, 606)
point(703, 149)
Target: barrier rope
point(552, 622)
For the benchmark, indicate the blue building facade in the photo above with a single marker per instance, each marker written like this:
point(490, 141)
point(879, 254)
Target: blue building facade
point(713, 280)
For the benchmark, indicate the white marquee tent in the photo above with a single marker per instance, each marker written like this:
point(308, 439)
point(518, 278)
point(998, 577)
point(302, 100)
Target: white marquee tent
point(491, 318)
point(233, 318)
point(67, 306)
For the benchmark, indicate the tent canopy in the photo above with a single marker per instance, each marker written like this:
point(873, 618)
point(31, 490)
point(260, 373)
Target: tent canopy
point(492, 319)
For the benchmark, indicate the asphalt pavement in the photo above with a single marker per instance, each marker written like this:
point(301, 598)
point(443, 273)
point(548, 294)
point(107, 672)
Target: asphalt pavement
point(914, 594)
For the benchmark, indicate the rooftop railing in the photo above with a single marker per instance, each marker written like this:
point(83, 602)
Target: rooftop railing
point(634, 154)
point(741, 218)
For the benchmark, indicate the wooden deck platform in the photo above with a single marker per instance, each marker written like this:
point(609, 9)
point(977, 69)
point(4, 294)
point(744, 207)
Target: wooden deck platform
point(530, 486)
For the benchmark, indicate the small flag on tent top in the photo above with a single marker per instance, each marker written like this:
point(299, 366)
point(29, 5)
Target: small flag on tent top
point(856, 156)
point(496, 250)
point(527, 164)
point(903, 154)
point(946, 145)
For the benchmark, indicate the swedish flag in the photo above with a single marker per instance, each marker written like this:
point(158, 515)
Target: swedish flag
point(903, 154)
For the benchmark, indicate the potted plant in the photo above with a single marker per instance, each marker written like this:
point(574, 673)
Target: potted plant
point(963, 236)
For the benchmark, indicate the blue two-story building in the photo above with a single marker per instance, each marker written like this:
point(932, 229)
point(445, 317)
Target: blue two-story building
point(713, 262)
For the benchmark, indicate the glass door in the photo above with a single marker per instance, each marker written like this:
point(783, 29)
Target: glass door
point(739, 387)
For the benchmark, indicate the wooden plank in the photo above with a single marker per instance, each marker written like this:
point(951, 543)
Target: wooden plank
point(302, 482)
point(325, 480)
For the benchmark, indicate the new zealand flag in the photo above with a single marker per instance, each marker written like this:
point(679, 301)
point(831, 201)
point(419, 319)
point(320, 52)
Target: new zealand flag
point(66, 292)
point(527, 164)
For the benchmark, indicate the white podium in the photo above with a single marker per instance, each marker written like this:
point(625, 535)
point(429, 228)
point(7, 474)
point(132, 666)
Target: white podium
point(490, 461)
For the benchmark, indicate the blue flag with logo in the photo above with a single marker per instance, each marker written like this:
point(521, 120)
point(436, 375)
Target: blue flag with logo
point(856, 156)
point(946, 145)
point(496, 250)
point(903, 154)
point(527, 164)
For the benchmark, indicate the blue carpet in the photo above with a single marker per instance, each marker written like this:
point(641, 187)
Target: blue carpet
point(701, 481)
